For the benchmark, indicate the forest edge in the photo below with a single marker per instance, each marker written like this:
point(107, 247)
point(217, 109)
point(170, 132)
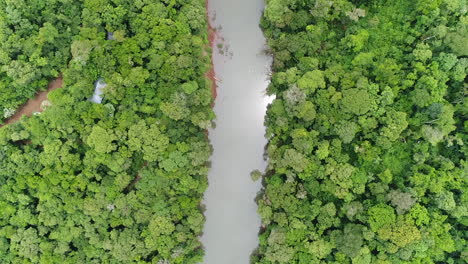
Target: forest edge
point(33, 105)
point(211, 74)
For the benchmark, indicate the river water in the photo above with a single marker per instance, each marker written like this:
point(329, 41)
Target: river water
point(232, 223)
point(98, 91)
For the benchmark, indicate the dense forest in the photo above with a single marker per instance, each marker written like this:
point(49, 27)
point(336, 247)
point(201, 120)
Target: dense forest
point(117, 182)
point(35, 38)
point(367, 137)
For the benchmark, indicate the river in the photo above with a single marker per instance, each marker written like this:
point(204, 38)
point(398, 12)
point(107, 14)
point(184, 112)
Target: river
point(232, 222)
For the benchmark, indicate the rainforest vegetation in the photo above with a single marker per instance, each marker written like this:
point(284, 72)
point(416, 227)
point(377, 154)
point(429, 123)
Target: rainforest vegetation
point(117, 182)
point(35, 38)
point(367, 137)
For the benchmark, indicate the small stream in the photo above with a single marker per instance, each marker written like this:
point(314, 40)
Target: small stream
point(232, 223)
point(99, 85)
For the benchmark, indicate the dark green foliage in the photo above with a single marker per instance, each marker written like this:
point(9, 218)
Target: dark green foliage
point(121, 181)
point(368, 134)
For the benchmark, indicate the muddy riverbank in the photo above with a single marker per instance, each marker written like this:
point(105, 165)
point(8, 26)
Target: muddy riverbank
point(211, 74)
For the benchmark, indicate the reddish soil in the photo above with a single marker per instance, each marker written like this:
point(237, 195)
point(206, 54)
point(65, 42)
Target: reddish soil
point(211, 38)
point(34, 105)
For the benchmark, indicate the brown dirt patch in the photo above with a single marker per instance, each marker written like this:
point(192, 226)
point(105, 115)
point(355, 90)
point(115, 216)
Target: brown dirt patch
point(34, 105)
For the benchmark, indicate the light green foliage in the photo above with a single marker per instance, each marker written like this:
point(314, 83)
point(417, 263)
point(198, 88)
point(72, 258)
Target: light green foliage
point(25, 243)
point(117, 182)
point(432, 134)
point(386, 176)
point(395, 123)
point(306, 111)
point(293, 159)
point(356, 101)
point(81, 49)
point(422, 52)
point(255, 175)
point(364, 257)
point(456, 40)
point(380, 216)
point(359, 40)
point(311, 81)
point(277, 11)
point(177, 108)
point(278, 251)
point(445, 201)
point(419, 214)
point(101, 140)
point(346, 131)
point(294, 95)
point(353, 210)
point(367, 132)
point(323, 150)
point(189, 87)
point(320, 248)
point(147, 139)
point(160, 225)
point(35, 38)
point(400, 233)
